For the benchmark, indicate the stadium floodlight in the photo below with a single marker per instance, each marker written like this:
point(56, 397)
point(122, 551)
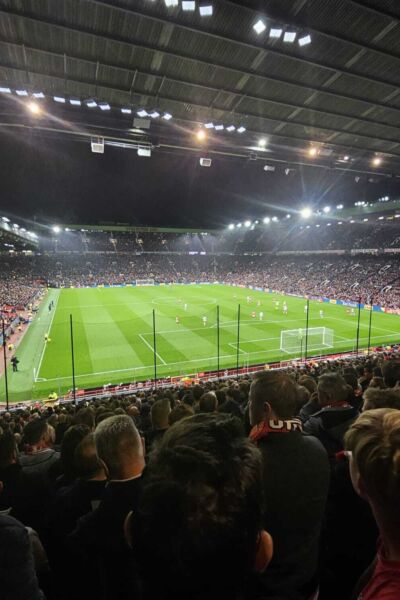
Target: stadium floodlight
point(306, 212)
point(59, 99)
point(209, 125)
point(247, 223)
point(312, 151)
point(91, 103)
point(75, 102)
point(239, 225)
point(275, 219)
point(327, 209)
point(266, 220)
point(340, 223)
point(34, 108)
point(231, 226)
point(365, 220)
point(346, 157)
point(380, 218)
point(38, 95)
point(126, 111)
point(5, 90)
point(262, 143)
point(154, 114)
point(15, 225)
point(352, 221)
point(231, 128)
point(318, 226)
point(142, 113)
point(104, 106)
point(167, 116)
point(275, 32)
point(144, 151)
point(171, 3)
point(218, 127)
point(339, 206)
point(259, 27)
point(289, 36)
point(5, 219)
point(303, 41)
point(241, 129)
point(21, 92)
point(288, 216)
point(256, 222)
point(56, 229)
point(201, 135)
point(377, 161)
point(206, 10)
point(188, 5)
point(328, 224)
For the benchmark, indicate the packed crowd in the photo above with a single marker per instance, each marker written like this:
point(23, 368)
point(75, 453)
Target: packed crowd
point(340, 277)
point(222, 490)
point(285, 235)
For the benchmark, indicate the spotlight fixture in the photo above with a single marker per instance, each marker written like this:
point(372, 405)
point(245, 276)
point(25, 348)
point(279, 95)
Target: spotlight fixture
point(154, 114)
point(259, 27)
point(188, 5)
point(247, 223)
point(218, 127)
point(5, 90)
point(266, 220)
point(231, 128)
point(303, 41)
point(56, 229)
point(346, 157)
point(270, 168)
point(275, 219)
point(306, 212)
point(206, 10)
point(104, 106)
point(289, 36)
point(241, 129)
point(205, 162)
point(144, 151)
point(377, 161)
point(312, 151)
point(38, 95)
point(288, 216)
point(275, 32)
point(171, 3)
point(142, 113)
point(21, 92)
point(201, 135)
point(167, 116)
point(59, 99)
point(75, 101)
point(97, 145)
point(339, 206)
point(34, 108)
point(262, 142)
point(327, 209)
point(239, 225)
point(91, 103)
point(231, 226)
point(126, 111)
point(209, 125)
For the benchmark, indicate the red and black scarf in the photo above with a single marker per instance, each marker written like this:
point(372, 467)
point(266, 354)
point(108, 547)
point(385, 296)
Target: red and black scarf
point(265, 428)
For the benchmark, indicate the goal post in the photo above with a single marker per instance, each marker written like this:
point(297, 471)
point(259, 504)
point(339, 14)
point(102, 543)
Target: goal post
point(293, 340)
point(141, 282)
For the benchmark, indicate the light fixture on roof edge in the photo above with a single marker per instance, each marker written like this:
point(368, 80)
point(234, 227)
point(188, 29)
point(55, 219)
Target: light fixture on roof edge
point(259, 27)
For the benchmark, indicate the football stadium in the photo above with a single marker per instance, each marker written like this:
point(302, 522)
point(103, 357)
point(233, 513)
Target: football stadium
point(200, 300)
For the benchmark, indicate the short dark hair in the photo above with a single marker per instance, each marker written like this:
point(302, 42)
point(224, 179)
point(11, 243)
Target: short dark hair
point(332, 388)
point(208, 403)
point(85, 416)
point(34, 431)
point(278, 389)
point(179, 412)
point(72, 437)
point(159, 412)
point(200, 512)
point(391, 372)
point(8, 447)
point(375, 397)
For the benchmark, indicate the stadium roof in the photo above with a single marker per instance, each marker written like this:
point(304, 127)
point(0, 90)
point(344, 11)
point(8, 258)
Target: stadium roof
point(339, 94)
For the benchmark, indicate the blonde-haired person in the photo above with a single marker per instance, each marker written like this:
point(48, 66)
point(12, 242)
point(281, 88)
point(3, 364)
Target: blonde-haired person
point(373, 443)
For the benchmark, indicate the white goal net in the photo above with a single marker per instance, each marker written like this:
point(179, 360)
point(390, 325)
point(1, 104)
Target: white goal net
point(293, 341)
point(144, 281)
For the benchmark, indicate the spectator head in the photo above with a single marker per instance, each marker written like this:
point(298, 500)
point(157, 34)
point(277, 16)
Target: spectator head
point(273, 395)
point(374, 442)
point(221, 396)
point(179, 412)
point(188, 399)
point(309, 383)
point(200, 515)
point(303, 396)
point(208, 403)
point(8, 450)
point(332, 388)
point(72, 437)
point(119, 447)
point(381, 398)
point(377, 382)
point(85, 416)
point(38, 434)
point(391, 373)
point(159, 413)
point(87, 464)
point(197, 391)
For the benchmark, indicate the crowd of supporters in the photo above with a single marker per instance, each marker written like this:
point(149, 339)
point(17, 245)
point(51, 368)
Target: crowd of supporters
point(229, 490)
point(340, 277)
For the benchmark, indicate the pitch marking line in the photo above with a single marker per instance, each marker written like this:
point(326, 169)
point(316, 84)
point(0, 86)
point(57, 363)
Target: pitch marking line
point(151, 348)
point(37, 378)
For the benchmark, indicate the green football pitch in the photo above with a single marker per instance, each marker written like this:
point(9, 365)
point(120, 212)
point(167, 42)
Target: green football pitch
point(113, 334)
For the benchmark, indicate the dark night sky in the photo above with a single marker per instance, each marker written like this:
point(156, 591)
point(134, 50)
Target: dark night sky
point(62, 181)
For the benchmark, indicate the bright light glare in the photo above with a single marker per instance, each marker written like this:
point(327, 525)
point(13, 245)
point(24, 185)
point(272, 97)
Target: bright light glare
point(21, 92)
point(266, 220)
point(259, 27)
point(56, 229)
point(142, 113)
point(126, 111)
point(339, 206)
point(275, 32)
point(188, 5)
point(275, 219)
point(327, 209)
point(231, 128)
point(231, 226)
point(218, 127)
point(289, 36)
point(241, 129)
point(312, 151)
point(167, 116)
point(34, 108)
point(5, 90)
point(201, 135)
point(209, 125)
point(247, 223)
point(59, 99)
point(239, 225)
point(306, 213)
point(206, 11)
point(377, 161)
point(262, 142)
point(303, 41)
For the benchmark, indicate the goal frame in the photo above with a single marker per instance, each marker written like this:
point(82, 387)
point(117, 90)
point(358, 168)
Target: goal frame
point(301, 334)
